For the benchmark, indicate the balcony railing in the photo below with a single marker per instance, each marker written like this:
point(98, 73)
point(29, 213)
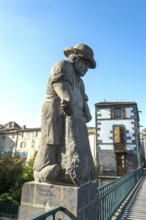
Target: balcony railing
point(120, 148)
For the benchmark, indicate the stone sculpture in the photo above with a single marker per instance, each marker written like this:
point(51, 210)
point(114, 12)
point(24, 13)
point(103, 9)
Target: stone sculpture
point(64, 154)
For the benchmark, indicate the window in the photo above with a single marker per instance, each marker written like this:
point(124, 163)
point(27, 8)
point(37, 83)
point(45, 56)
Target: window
point(12, 144)
point(119, 135)
point(25, 135)
point(3, 145)
point(33, 144)
point(23, 154)
point(35, 134)
point(118, 113)
point(22, 144)
point(119, 139)
point(2, 152)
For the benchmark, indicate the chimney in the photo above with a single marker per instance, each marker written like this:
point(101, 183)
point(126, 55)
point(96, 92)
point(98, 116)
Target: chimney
point(24, 126)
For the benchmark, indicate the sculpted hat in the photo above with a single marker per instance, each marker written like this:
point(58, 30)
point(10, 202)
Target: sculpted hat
point(82, 50)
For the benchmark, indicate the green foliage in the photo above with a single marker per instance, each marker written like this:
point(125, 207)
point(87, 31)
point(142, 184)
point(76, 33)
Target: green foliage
point(10, 171)
point(13, 174)
point(27, 174)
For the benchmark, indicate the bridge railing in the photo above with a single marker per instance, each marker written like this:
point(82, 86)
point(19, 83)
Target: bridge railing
point(52, 213)
point(111, 195)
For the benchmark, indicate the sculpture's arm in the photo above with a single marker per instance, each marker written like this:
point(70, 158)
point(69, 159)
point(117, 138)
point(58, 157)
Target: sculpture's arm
point(64, 91)
point(86, 110)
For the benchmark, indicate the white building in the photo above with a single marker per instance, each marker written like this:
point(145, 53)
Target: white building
point(118, 142)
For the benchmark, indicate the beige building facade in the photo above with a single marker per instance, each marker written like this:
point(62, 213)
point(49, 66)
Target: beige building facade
point(25, 141)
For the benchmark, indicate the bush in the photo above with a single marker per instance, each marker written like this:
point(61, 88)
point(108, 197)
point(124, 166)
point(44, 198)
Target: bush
point(13, 174)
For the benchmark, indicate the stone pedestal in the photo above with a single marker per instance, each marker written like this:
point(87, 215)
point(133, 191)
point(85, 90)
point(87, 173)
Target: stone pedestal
point(80, 203)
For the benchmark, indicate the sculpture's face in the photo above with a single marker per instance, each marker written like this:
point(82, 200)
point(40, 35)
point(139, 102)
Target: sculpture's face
point(81, 67)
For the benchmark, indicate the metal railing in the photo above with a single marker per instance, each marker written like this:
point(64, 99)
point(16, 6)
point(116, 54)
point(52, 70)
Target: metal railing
point(4, 216)
point(52, 213)
point(8, 210)
point(110, 196)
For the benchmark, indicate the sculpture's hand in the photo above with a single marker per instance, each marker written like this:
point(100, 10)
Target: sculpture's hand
point(66, 107)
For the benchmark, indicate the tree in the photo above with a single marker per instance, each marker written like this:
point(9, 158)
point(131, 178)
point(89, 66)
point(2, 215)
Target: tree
point(10, 171)
point(14, 172)
point(27, 172)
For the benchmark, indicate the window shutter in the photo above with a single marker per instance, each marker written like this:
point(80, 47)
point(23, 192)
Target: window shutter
point(117, 134)
point(122, 135)
point(112, 112)
point(123, 113)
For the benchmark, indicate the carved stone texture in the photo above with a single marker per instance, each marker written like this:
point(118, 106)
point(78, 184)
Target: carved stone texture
point(77, 160)
point(80, 203)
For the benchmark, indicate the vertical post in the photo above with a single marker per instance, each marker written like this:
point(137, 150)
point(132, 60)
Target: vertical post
point(138, 150)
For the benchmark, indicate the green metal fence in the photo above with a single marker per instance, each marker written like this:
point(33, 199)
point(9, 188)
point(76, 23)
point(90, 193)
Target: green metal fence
point(110, 196)
point(8, 210)
point(52, 213)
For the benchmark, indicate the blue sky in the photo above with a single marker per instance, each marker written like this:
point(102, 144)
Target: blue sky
point(34, 33)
